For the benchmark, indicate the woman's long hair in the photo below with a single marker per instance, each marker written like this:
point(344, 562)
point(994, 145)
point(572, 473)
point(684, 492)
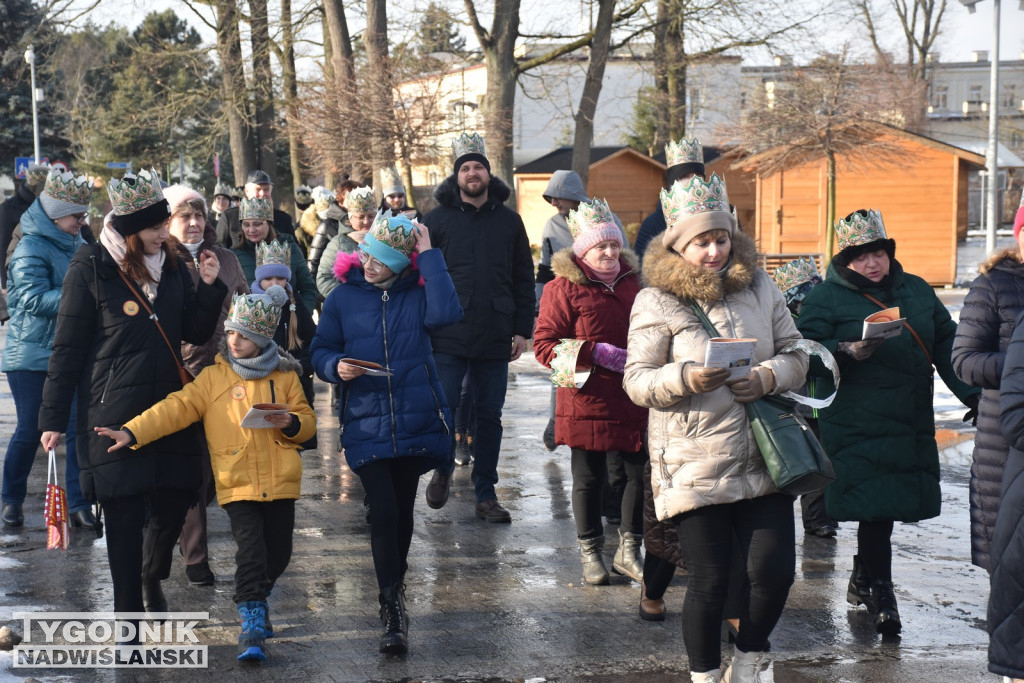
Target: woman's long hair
point(293, 322)
point(134, 265)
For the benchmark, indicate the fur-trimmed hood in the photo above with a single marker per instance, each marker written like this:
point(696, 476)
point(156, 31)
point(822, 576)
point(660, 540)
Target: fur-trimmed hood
point(285, 363)
point(563, 264)
point(667, 270)
point(347, 261)
point(1011, 254)
point(447, 193)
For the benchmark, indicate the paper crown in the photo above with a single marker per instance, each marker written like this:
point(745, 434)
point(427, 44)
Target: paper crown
point(255, 209)
point(134, 193)
point(795, 273)
point(222, 189)
point(391, 180)
point(589, 216)
point(67, 188)
point(303, 189)
point(273, 254)
point(399, 235)
point(321, 199)
point(468, 144)
point(694, 196)
point(257, 313)
point(37, 173)
point(684, 152)
point(860, 229)
point(360, 200)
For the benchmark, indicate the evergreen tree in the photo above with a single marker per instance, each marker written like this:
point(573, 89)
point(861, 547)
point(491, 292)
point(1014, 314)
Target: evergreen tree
point(438, 32)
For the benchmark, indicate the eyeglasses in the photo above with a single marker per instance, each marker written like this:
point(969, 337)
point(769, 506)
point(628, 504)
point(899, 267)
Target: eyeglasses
point(80, 217)
point(368, 261)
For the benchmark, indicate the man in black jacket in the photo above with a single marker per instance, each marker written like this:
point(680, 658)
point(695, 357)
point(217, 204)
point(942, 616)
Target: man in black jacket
point(17, 204)
point(488, 255)
point(257, 186)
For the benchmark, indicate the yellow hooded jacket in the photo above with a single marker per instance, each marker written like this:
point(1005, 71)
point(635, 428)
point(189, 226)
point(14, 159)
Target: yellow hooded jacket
point(248, 464)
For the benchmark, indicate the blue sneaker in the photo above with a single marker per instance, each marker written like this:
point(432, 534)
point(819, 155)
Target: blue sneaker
point(253, 654)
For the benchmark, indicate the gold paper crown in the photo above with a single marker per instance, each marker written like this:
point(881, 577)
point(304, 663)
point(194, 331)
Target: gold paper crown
point(468, 144)
point(684, 152)
point(67, 188)
point(589, 216)
point(255, 209)
point(134, 192)
point(795, 273)
point(274, 253)
point(694, 196)
point(397, 237)
point(860, 229)
point(361, 200)
point(255, 313)
point(321, 198)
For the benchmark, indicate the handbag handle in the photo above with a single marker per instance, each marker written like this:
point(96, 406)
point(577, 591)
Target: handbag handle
point(702, 316)
point(153, 317)
point(905, 324)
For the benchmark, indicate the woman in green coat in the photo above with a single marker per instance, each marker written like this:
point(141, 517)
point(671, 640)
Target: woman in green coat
point(880, 430)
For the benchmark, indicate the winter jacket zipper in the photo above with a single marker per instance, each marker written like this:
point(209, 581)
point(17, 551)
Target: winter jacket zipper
point(387, 364)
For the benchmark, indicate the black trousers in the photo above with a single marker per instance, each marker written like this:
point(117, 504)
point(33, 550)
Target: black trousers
point(764, 528)
point(263, 538)
point(874, 548)
point(589, 475)
point(141, 533)
point(390, 486)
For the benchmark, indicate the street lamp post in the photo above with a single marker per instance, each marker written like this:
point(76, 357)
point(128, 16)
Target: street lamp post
point(30, 57)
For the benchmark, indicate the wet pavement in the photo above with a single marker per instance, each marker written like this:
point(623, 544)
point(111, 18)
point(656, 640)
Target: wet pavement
point(506, 602)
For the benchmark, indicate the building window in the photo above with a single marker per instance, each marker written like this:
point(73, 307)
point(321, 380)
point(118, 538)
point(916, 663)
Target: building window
point(1009, 100)
point(974, 94)
point(940, 98)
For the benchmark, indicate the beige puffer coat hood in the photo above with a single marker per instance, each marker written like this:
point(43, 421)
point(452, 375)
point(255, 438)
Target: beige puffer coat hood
point(702, 449)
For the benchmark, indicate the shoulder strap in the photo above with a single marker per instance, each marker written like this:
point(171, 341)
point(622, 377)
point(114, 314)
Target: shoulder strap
point(702, 316)
point(152, 315)
point(905, 324)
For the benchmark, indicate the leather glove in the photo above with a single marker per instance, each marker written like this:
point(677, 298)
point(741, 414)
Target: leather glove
point(972, 402)
point(699, 379)
point(759, 382)
point(610, 356)
point(859, 350)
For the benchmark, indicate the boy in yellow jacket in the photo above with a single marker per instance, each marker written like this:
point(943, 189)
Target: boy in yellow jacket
point(257, 470)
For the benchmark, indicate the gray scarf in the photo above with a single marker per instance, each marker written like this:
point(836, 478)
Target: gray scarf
point(256, 367)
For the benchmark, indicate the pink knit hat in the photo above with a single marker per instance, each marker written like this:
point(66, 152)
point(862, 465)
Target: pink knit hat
point(176, 195)
point(590, 224)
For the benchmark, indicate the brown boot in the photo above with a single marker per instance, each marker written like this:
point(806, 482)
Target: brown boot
point(650, 609)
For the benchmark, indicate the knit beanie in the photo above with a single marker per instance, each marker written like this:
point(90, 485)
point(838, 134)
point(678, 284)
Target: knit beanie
point(590, 224)
point(469, 148)
point(391, 240)
point(255, 316)
point(177, 195)
point(64, 194)
point(273, 260)
point(693, 207)
point(138, 202)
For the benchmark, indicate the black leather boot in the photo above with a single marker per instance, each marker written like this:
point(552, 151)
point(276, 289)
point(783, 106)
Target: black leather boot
point(858, 592)
point(153, 596)
point(395, 638)
point(888, 621)
point(12, 515)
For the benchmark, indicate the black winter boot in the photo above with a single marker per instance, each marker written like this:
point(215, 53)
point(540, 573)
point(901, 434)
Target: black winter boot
point(395, 638)
point(858, 592)
point(888, 621)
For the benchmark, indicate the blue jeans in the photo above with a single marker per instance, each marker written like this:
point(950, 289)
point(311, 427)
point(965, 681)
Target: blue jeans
point(27, 389)
point(488, 380)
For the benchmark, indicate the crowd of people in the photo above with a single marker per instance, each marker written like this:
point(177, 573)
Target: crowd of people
point(175, 353)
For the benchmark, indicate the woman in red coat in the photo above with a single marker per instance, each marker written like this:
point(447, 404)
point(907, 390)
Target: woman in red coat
point(582, 327)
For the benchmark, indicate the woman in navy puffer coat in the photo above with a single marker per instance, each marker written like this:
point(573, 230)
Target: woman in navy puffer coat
point(394, 427)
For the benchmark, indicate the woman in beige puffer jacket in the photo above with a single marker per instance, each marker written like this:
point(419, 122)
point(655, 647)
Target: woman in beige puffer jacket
point(708, 476)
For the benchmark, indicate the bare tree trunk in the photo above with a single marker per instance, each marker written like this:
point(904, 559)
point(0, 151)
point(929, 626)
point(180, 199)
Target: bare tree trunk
point(229, 49)
point(341, 46)
point(382, 119)
point(263, 87)
point(328, 50)
point(291, 91)
point(584, 135)
point(830, 211)
point(670, 78)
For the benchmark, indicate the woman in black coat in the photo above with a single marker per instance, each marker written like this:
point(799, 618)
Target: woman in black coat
point(1006, 597)
point(990, 309)
point(109, 351)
